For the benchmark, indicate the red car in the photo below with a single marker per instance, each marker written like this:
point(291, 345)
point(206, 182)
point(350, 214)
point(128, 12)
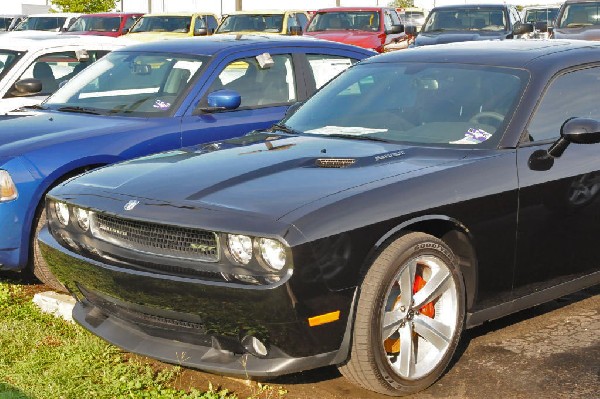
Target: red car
point(106, 24)
point(374, 28)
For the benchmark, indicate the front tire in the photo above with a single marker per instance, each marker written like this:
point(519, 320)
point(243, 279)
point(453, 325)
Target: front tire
point(409, 317)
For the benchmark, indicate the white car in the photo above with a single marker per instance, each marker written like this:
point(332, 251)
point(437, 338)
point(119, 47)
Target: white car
point(49, 61)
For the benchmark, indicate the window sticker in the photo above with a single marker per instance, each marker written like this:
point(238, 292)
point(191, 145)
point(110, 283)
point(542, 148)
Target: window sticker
point(161, 105)
point(473, 136)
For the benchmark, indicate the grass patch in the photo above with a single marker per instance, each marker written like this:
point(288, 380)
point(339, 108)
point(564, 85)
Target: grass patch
point(42, 356)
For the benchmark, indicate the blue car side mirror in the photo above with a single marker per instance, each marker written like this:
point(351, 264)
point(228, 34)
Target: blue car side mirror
point(222, 100)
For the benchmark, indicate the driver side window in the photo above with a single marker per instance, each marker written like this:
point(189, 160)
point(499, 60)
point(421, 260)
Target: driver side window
point(259, 84)
point(570, 95)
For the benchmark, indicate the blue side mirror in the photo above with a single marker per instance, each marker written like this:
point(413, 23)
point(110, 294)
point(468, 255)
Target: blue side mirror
point(222, 100)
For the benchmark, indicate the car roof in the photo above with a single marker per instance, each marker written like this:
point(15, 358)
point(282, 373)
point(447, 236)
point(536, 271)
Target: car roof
point(252, 12)
point(23, 43)
point(176, 14)
point(56, 14)
point(354, 9)
point(508, 53)
point(111, 14)
point(580, 1)
point(217, 43)
point(470, 6)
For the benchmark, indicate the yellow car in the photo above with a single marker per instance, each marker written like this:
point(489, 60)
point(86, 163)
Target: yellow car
point(173, 25)
point(276, 22)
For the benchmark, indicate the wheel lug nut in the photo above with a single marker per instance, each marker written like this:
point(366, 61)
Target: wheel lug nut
point(402, 308)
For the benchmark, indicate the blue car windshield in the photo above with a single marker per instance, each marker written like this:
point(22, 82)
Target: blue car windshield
point(424, 104)
point(129, 84)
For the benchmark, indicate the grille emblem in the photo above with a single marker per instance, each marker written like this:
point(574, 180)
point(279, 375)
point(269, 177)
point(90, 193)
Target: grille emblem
point(131, 204)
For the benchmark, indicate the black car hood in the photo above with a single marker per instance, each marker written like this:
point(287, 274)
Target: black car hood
point(270, 177)
point(426, 39)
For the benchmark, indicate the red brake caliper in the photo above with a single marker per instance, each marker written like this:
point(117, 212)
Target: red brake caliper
point(392, 345)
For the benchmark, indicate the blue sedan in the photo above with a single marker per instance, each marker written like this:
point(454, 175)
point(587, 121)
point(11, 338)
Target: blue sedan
point(145, 99)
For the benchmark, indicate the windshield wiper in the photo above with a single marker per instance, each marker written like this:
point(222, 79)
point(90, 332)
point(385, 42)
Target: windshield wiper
point(35, 106)
point(435, 30)
point(284, 128)
point(80, 110)
point(356, 137)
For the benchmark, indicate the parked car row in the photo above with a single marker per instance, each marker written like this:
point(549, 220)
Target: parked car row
point(234, 199)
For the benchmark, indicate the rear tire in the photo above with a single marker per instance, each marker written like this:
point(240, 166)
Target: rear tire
point(38, 264)
point(401, 343)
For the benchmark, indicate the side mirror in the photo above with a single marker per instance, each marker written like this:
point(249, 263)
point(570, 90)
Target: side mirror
point(395, 29)
point(27, 87)
point(222, 100)
point(410, 30)
point(578, 131)
point(541, 26)
point(201, 32)
point(521, 28)
point(295, 31)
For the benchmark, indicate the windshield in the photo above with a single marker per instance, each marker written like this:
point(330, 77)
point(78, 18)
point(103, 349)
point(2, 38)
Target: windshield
point(252, 22)
point(97, 24)
point(541, 15)
point(163, 23)
point(129, 84)
point(7, 60)
point(42, 23)
point(430, 104)
point(347, 20)
point(485, 19)
point(580, 14)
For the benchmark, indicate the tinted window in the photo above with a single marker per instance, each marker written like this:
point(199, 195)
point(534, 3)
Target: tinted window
point(97, 24)
point(486, 19)
point(580, 14)
point(441, 104)
point(252, 22)
point(7, 59)
point(546, 14)
point(42, 23)
point(570, 95)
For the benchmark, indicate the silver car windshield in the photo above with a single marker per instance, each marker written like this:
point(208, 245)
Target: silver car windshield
point(129, 84)
point(428, 104)
point(484, 19)
point(579, 15)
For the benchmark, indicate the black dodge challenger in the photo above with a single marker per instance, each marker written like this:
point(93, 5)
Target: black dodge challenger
point(417, 194)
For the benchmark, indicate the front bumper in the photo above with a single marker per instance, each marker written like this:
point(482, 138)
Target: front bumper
point(204, 324)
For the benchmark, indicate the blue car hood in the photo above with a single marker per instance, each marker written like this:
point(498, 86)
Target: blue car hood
point(272, 177)
point(28, 133)
point(426, 39)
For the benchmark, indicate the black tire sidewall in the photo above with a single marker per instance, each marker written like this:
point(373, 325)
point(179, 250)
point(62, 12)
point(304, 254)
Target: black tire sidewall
point(413, 245)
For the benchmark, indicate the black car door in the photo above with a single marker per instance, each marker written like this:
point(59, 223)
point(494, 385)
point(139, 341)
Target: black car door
point(559, 199)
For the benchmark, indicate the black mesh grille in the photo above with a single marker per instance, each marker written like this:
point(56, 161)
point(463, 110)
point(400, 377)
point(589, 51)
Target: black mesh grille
point(159, 239)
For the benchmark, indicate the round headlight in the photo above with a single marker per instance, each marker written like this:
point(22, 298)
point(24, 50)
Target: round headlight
point(240, 247)
point(83, 218)
point(273, 253)
point(62, 212)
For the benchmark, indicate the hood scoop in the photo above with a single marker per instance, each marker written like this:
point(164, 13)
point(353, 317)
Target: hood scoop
point(334, 162)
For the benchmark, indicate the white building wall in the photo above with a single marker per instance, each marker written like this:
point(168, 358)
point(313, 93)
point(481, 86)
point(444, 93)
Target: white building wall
point(23, 6)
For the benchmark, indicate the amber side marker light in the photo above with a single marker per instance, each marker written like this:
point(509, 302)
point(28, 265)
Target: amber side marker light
point(324, 318)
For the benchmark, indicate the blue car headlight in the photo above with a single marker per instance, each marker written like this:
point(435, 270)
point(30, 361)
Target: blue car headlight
point(8, 190)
